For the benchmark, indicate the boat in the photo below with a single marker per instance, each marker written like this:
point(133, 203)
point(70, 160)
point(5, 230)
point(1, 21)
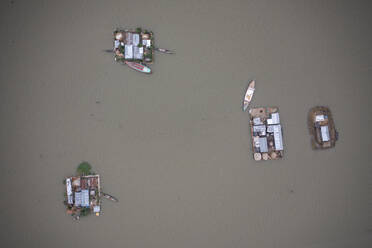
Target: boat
point(322, 128)
point(248, 95)
point(162, 50)
point(138, 67)
point(267, 134)
point(110, 197)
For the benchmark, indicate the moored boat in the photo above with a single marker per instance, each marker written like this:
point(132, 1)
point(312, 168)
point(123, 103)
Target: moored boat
point(110, 197)
point(162, 50)
point(248, 95)
point(138, 67)
point(322, 128)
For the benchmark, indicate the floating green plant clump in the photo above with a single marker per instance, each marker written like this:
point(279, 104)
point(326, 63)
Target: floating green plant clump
point(84, 169)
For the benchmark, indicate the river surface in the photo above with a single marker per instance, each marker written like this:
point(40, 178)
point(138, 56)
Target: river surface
point(174, 147)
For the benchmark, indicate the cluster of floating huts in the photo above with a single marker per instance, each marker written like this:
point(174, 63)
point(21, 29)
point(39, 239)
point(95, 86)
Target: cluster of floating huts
point(83, 195)
point(135, 48)
point(267, 133)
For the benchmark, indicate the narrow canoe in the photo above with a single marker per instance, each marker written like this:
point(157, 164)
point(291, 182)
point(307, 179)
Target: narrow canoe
point(162, 50)
point(110, 197)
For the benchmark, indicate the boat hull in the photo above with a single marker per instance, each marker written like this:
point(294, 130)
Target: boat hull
point(138, 67)
point(109, 197)
point(248, 95)
point(166, 51)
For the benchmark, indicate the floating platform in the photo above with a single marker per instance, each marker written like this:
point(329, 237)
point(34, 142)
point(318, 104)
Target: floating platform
point(266, 132)
point(322, 128)
point(82, 195)
point(135, 45)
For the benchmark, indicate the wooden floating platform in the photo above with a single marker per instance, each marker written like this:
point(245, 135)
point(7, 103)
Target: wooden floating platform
point(322, 128)
point(266, 132)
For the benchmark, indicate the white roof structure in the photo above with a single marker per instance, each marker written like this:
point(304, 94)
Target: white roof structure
point(263, 144)
point(85, 198)
point(118, 36)
point(274, 119)
point(319, 118)
point(257, 121)
point(324, 133)
point(261, 129)
point(96, 209)
point(256, 141)
point(68, 186)
point(129, 38)
point(278, 138)
point(136, 39)
point(117, 43)
point(146, 43)
point(128, 51)
point(70, 199)
point(138, 52)
point(77, 199)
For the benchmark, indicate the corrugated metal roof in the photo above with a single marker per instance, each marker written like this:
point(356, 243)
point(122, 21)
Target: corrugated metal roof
point(77, 199)
point(319, 118)
point(96, 209)
point(325, 133)
point(138, 52)
point(129, 38)
point(136, 39)
point(128, 52)
point(117, 43)
point(68, 186)
point(274, 119)
point(261, 129)
point(70, 199)
point(146, 43)
point(257, 121)
point(278, 138)
point(263, 144)
point(85, 198)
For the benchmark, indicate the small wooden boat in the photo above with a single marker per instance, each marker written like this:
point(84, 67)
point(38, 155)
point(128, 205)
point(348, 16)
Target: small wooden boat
point(162, 50)
point(109, 197)
point(248, 95)
point(138, 67)
point(322, 128)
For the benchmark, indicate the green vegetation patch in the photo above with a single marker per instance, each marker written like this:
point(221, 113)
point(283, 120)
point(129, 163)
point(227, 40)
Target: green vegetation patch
point(84, 169)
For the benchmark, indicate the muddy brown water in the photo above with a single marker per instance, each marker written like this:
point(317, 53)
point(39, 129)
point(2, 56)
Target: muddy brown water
point(174, 147)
